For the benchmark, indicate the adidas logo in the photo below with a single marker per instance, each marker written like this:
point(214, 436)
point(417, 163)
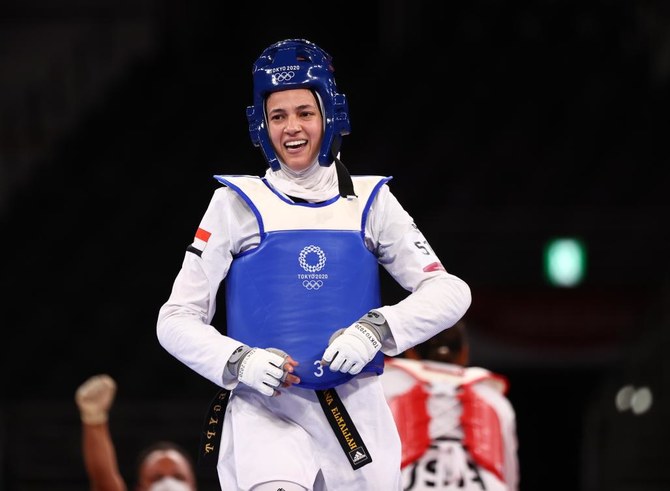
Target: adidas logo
point(359, 455)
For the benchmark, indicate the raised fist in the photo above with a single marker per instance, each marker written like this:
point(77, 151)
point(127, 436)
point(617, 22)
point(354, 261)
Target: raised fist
point(94, 398)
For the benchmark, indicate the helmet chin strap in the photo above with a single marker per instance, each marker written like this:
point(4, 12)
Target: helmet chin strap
point(344, 181)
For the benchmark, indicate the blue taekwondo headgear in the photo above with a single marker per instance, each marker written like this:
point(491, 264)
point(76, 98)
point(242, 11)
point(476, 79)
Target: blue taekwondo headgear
point(297, 64)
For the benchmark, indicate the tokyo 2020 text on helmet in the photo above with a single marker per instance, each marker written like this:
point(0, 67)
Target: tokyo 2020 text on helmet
point(298, 64)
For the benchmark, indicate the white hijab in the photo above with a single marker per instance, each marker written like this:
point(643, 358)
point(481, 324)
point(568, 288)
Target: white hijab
point(315, 183)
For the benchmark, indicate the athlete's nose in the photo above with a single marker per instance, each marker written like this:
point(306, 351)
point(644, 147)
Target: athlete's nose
point(292, 124)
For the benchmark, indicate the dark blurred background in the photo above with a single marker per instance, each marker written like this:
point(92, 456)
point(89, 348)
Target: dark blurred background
point(505, 125)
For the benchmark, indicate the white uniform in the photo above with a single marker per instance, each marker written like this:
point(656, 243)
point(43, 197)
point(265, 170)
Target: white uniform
point(456, 445)
point(286, 437)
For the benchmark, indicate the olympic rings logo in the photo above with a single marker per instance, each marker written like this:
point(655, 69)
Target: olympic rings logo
point(302, 259)
point(283, 76)
point(312, 284)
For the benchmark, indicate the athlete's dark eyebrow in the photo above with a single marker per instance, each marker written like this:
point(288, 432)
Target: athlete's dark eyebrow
point(299, 108)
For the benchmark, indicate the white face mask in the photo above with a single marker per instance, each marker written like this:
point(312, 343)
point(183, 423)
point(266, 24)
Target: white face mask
point(169, 484)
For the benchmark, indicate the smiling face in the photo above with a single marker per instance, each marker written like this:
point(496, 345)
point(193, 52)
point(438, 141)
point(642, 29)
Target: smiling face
point(295, 126)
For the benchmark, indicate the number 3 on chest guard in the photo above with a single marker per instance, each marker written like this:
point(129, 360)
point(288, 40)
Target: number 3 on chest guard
point(319, 368)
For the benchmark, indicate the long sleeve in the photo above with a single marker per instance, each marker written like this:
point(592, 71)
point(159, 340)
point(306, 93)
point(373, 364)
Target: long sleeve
point(436, 299)
point(184, 322)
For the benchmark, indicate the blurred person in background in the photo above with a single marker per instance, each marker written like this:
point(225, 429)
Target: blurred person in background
point(162, 466)
point(457, 427)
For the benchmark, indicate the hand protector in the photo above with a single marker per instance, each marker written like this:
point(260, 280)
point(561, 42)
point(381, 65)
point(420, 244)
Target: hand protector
point(350, 349)
point(94, 398)
point(262, 369)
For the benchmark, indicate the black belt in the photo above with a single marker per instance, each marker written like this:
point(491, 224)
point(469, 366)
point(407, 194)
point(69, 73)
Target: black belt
point(336, 414)
point(208, 452)
point(344, 429)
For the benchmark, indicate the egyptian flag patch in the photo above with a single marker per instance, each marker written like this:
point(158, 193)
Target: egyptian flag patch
point(434, 267)
point(199, 242)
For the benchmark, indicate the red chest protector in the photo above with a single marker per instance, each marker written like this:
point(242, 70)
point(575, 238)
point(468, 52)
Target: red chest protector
point(410, 412)
point(482, 435)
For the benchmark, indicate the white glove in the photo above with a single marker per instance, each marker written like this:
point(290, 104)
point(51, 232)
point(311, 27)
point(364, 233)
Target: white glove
point(350, 349)
point(94, 398)
point(260, 369)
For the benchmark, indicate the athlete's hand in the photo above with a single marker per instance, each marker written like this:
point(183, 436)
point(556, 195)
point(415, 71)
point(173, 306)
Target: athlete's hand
point(94, 398)
point(263, 369)
point(350, 349)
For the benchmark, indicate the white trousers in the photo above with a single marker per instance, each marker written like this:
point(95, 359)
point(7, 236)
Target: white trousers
point(287, 437)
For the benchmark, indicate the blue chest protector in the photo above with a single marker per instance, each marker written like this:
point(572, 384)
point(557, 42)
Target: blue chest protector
point(310, 275)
